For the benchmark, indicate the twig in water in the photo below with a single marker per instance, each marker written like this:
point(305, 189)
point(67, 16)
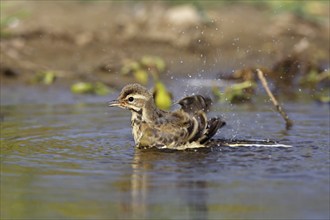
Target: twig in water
point(288, 122)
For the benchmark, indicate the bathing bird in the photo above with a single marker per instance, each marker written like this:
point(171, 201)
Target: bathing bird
point(152, 127)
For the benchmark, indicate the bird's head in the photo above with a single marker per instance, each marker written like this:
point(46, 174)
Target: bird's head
point(132, 97)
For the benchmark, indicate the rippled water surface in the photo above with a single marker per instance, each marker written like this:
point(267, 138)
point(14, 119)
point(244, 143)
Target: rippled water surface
point(78, 161)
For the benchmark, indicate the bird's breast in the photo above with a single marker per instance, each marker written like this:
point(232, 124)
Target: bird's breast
point(136, 126)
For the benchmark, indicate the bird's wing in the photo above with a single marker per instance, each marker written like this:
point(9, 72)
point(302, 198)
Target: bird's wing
point(162, 135)
point(173, 129)
point(196, 106)
point(213, 125)
point(186, 125)
point(195, 103)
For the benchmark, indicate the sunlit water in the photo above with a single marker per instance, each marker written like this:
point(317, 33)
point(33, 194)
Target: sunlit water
point(78, 161)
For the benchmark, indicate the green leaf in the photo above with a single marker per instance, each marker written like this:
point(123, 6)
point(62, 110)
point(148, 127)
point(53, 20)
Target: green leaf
point(97, 88)
point(46, 77)
point(82, 88)
point(239, 92)
point(101, 89)
point(129, 67)
point(163, 98)
point(141, 76)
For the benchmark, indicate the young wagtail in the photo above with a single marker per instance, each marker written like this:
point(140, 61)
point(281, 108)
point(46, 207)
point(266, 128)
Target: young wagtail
point(152, 127)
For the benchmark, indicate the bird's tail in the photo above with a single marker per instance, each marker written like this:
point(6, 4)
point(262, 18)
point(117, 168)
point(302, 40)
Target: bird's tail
point(213, 125)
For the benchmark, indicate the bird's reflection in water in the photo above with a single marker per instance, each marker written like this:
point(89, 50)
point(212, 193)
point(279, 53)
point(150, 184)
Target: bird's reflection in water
point(195, 197)
point(139, 186)
point(148, 168)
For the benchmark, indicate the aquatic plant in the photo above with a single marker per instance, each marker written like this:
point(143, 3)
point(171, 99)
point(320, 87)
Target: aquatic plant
point(163, 98)
point(97, 88)
point(236, 93)
point(45, 77)
point(313, 78)
point(143, 68)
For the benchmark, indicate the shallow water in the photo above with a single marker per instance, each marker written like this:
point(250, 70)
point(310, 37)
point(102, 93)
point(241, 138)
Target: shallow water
point(78, 161)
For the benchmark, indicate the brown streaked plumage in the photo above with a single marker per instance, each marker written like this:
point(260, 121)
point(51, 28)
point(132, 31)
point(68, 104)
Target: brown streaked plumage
point(152, 127)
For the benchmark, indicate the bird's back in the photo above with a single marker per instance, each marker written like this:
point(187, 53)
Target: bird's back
point(186, 125)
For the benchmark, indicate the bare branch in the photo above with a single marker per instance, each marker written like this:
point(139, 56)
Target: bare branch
point(288, 122)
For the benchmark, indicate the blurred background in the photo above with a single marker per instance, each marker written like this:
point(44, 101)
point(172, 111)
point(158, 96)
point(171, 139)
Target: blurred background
point(66, 155)
point(94, 47)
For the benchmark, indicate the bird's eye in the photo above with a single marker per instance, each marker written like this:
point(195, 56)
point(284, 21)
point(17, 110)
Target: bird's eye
point(131, 99)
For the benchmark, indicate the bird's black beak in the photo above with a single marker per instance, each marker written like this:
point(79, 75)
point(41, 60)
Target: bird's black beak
point(114, 103)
